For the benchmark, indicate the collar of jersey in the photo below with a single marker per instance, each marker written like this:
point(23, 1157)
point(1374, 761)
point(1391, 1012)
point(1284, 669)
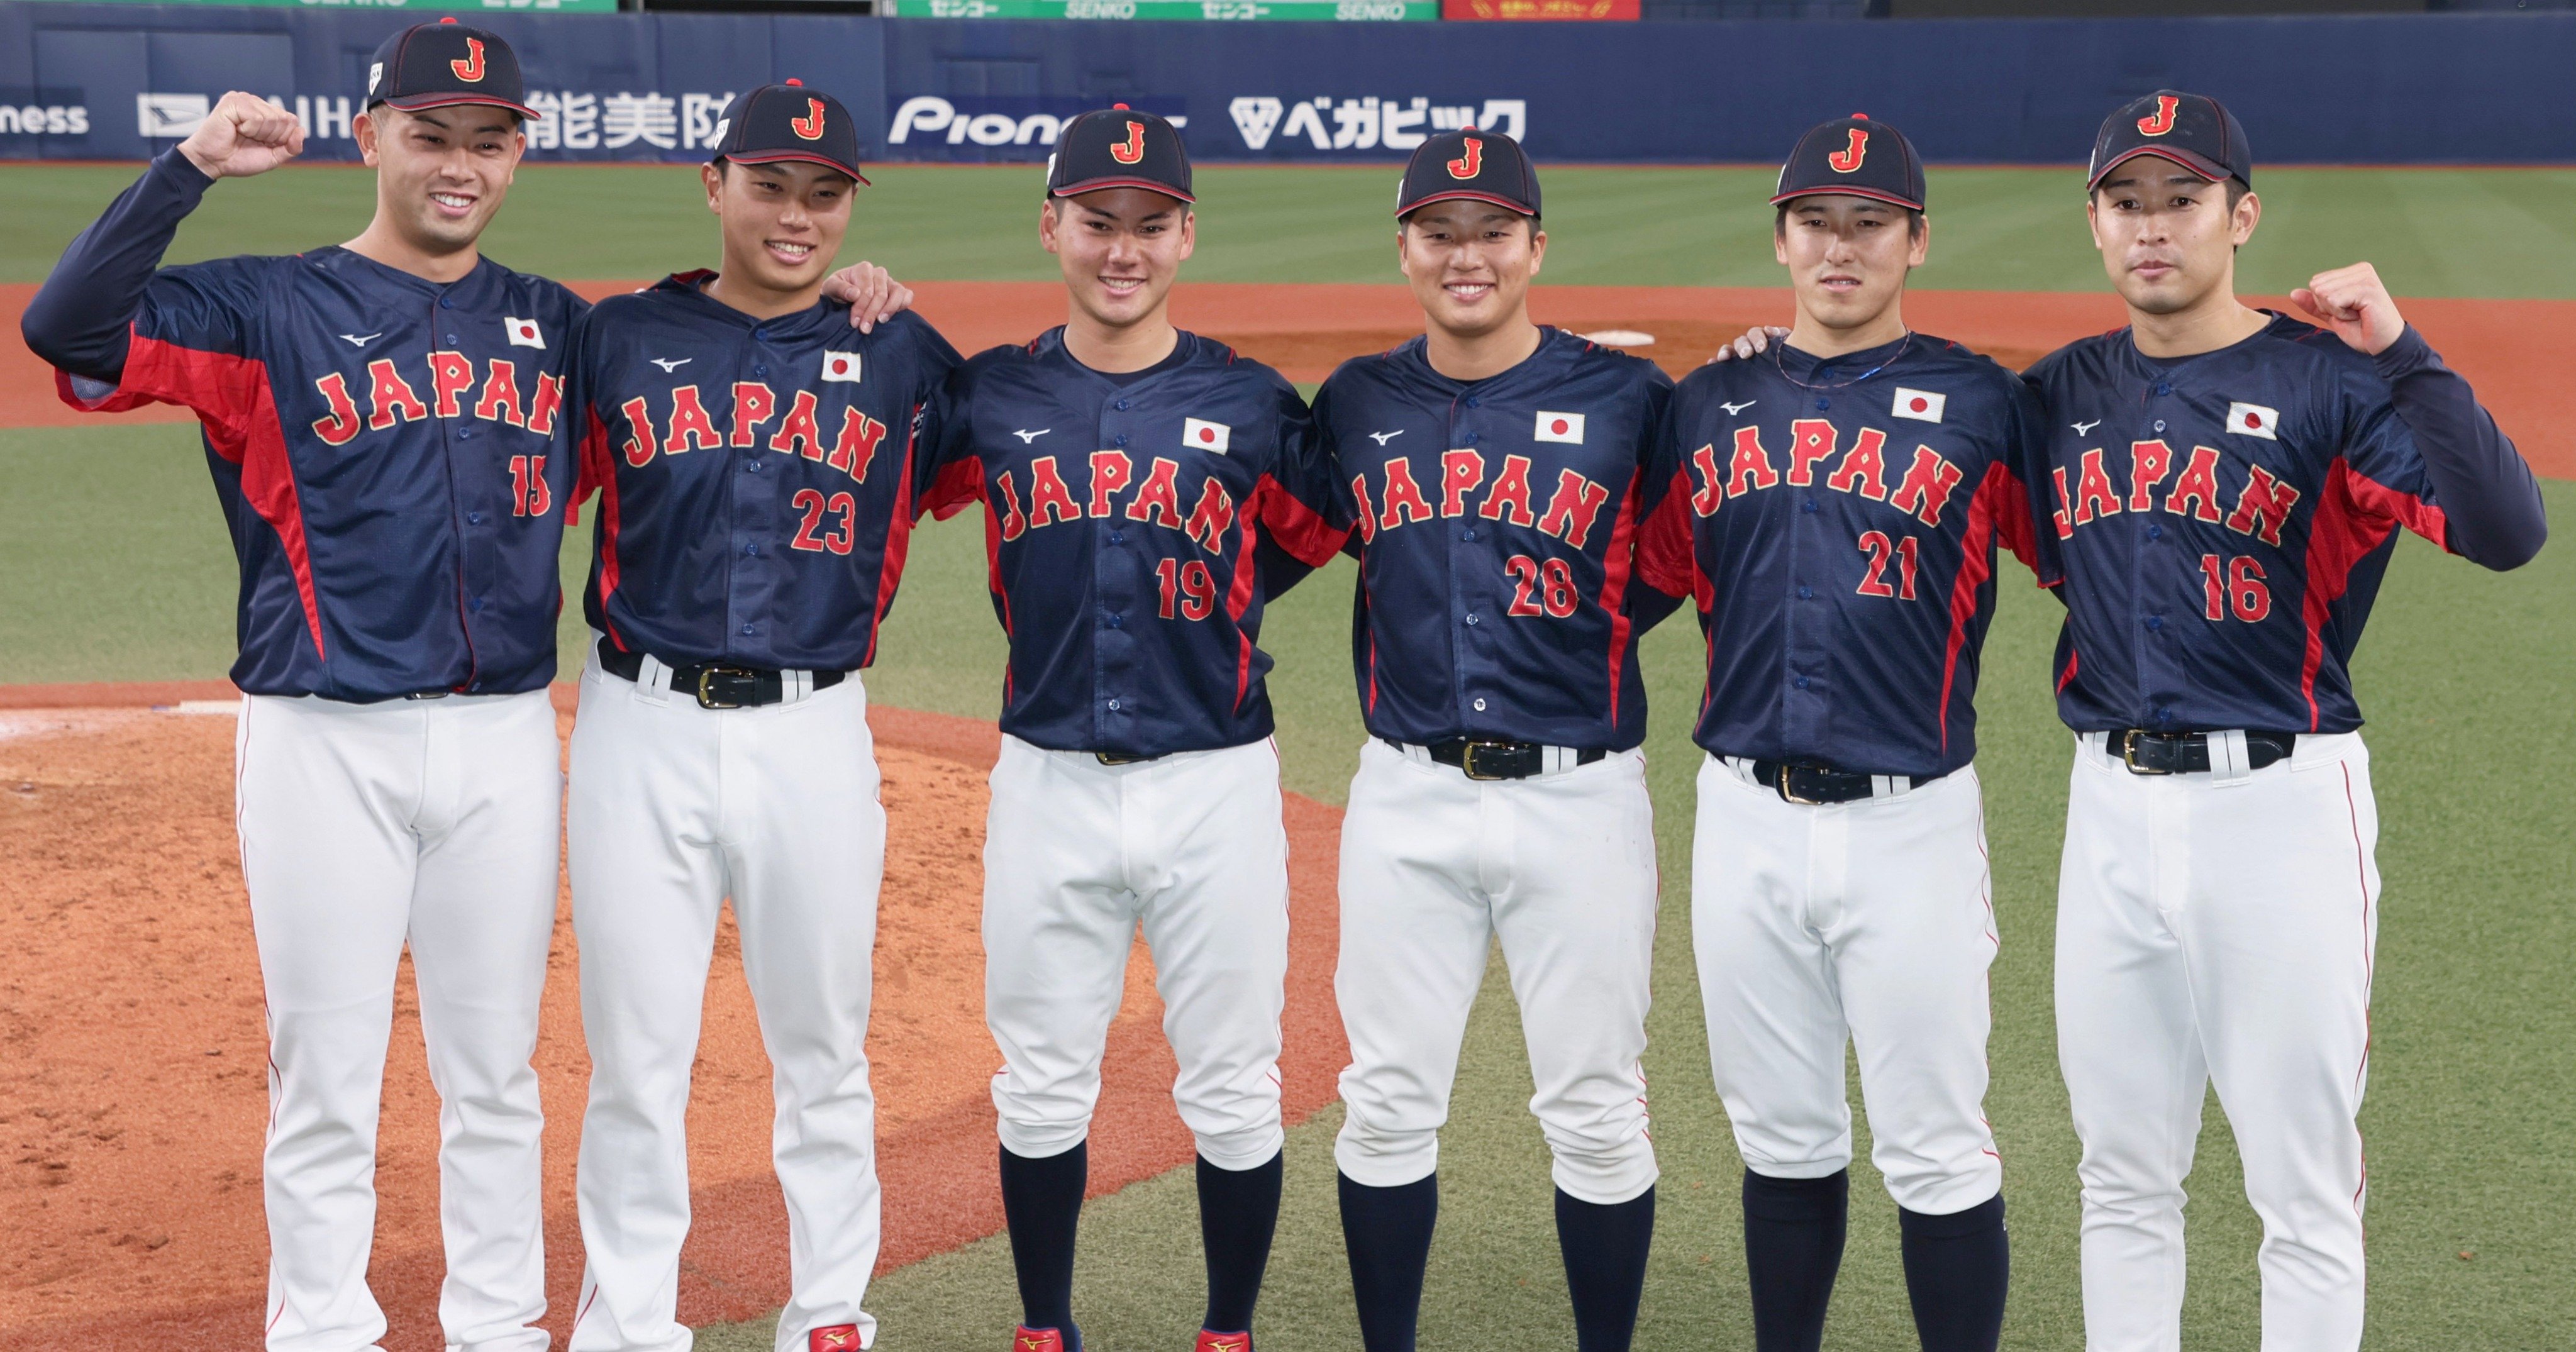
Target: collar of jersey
point(688, 290)
point(2152, 368)
point(1801, 365)
point(333, 256)
point(1050, 347)
point(1556, 349)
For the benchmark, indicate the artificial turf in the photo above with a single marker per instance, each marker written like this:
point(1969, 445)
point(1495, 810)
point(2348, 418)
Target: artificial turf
point(117, 569)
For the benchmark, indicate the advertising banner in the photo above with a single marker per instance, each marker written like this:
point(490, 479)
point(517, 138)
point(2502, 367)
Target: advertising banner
point(1539, 9)
point(1345, 11)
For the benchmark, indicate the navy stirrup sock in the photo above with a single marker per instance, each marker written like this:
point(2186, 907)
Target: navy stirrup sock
point(1605, 1265)
point(1042, 1202)
point(1238, 1214)
point(1956, 1270)
point(1387, 1232)
point(1793, 1247)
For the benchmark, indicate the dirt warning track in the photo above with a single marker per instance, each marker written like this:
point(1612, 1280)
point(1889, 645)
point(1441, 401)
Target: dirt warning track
point(133, 1095)
point(1305, 330)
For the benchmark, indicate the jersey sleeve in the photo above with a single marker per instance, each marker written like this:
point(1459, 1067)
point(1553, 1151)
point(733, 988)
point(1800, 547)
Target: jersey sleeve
point(1659, 462)
point(1297, 503)
point(2433, 459)
point(1666, 560)
point(1341, 509)
point(2019, 507)
point(951, 474)
point(581, 422)
point(81, 320)
point(935, 361)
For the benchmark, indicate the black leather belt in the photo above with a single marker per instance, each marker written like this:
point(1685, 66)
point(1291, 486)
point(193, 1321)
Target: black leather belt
point(2187, 753)
point(1819, 785)
point(717, 685)
point(1484, 758)
point(1122, 758)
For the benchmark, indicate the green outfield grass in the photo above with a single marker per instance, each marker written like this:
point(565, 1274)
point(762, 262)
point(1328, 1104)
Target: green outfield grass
point(116, 568)
point(2434, 232)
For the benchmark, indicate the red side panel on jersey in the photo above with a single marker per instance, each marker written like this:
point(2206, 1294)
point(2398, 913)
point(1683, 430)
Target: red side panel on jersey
point(1238, 594)
point(1666, 560)
point(231, 396)
point(1298, 528)
point(1616, 566)
point(2354, 517)
point(898, 542)
point(1993, 499)
point(597, 470)
point(959, 482)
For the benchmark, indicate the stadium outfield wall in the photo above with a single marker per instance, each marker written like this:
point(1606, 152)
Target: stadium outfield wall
point(102, 81)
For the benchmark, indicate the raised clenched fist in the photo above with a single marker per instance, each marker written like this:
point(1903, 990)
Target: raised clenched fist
point(244, 135)
point(2355, 304)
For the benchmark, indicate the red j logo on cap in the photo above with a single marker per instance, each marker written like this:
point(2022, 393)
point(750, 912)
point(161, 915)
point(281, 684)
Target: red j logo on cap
point(1133, 148)
point(810, 126)
point(1469, 160)
point(2163, 120)
point(471, 68)
point(1849, 157)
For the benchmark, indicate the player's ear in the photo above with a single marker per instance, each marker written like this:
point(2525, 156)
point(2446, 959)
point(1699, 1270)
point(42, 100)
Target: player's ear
point(1189, 233)
point(713, 176)
point(363, 127)
point(1920, 227)
point(1538, 246)
point(1050, 215)
point(2247, 213)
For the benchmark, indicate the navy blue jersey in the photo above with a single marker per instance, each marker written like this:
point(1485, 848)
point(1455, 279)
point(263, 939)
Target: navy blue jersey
point(389, 451)
point(1496, 526)
point(2223, 520)
point(1134, 531)
point(756, 476)
point(1837, 521)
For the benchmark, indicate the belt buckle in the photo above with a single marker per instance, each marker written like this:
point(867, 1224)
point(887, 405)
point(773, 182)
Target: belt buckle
point(1791, 795)
point(708, 675)
point(2129, 753)
point(1467, 759)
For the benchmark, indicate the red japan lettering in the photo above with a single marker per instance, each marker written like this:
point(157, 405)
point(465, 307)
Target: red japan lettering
point(500, 399)
point(639, 448)
point(2057, 515)
point(1509, 498)
point(1864, 467)
point(1462, 471)
point(1368, 509)
point(2264, 507)
point(1159, 501)
point(1014, 525)
point(548, 403)
point(1751, 467)
point(752, 405)
point(1110, 471)
point(1927, 487)
point(2149, 463)
point(801, 431)
point(1213, 517)
point(451, 374)
point(690, 428)
point(2197, 487)
point(1810, 440)
point(1404, 502)
point(341, 423)
point(390, 396)
point(1711, 493)
point(857, 445)
point(2094, 495)
point(1570, 513)
point(1049, 500)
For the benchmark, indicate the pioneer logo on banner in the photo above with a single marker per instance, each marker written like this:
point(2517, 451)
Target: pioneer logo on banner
point(1325, 124)
point(999, 126)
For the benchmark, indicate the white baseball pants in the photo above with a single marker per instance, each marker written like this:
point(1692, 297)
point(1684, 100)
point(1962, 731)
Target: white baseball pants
point(674, 809)
point(2219, 927)
point(366, 828)
point(1436, 867)
point(1869, 922)
point(1077, 855)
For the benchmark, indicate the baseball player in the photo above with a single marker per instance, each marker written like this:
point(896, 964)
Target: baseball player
point(1495, 475)
point(1836, 518)
point(2226, 487)
point(382, 420)
point(1140, 486)
point(754, 461)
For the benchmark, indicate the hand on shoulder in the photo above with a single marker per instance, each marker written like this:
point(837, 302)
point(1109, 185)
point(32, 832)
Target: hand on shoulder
point(874, 296)
point(1752, 343)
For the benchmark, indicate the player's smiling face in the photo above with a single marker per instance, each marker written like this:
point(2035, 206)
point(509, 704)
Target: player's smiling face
point(1848, 256)
point(440, 172)
point(783, 224)
point(1119, 249)
point(1470, 263)
point(2168, 236)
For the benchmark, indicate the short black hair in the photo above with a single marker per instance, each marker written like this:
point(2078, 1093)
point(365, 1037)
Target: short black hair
point(1780, 219)
point(2236, 190)
point(1405, 220)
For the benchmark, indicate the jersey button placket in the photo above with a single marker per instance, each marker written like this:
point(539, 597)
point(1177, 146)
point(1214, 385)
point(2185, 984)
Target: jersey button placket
point(1467, 567)
point(750, 572)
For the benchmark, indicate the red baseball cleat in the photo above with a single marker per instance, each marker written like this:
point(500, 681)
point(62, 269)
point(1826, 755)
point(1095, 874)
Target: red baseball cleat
point(1211, 1341)
point(1025, 1339)
point(837, 1338)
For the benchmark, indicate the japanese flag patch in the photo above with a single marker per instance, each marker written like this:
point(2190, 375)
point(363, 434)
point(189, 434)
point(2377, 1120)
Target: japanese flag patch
point(2254, 420)
point(1565, 427)
point(1200, 434)
point(1920, 405)
point(523, 332)
point(842, 367)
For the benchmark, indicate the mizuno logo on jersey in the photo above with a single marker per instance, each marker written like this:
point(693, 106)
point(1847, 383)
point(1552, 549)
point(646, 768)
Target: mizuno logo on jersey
point(1382, 438)
point(670, 364)
point(2262, 507)
point(1156, 501)
point(1733, 409)
point(799, 430)
point(1926, 487)
point(1201, 435)
point(361, 340)
point(454, 392)
point(1031, 438)
point(2085, 428)
point(1400, 501)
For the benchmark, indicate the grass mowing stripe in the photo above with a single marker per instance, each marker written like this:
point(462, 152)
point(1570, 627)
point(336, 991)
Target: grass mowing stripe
point(2433, 232)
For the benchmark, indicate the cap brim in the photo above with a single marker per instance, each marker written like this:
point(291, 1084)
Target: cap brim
point(1102, 184)
point(413, 103)
point(2195, 163)
point(1404, 209)
point(1872, 194)
point(807, 157)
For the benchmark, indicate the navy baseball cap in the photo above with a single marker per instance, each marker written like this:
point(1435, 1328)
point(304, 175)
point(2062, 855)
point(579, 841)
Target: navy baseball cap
point(2192, 130)
point(1853, 157)
point(789, 122)
point(1480, 166)
point(1119, 147)
point(444, 64)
